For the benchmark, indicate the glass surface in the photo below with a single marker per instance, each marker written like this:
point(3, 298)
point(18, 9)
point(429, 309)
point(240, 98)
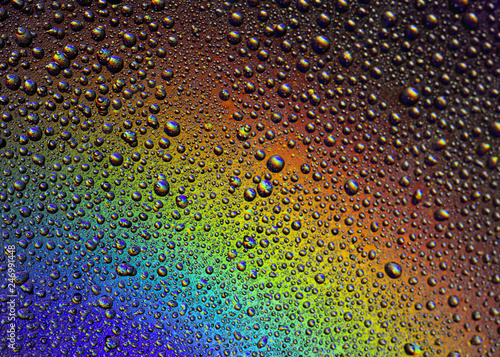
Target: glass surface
point(249, 178)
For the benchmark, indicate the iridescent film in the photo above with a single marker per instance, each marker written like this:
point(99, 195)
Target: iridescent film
point(254, 178)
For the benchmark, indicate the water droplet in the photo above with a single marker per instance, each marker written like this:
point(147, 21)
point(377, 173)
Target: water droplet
point(393, 270)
